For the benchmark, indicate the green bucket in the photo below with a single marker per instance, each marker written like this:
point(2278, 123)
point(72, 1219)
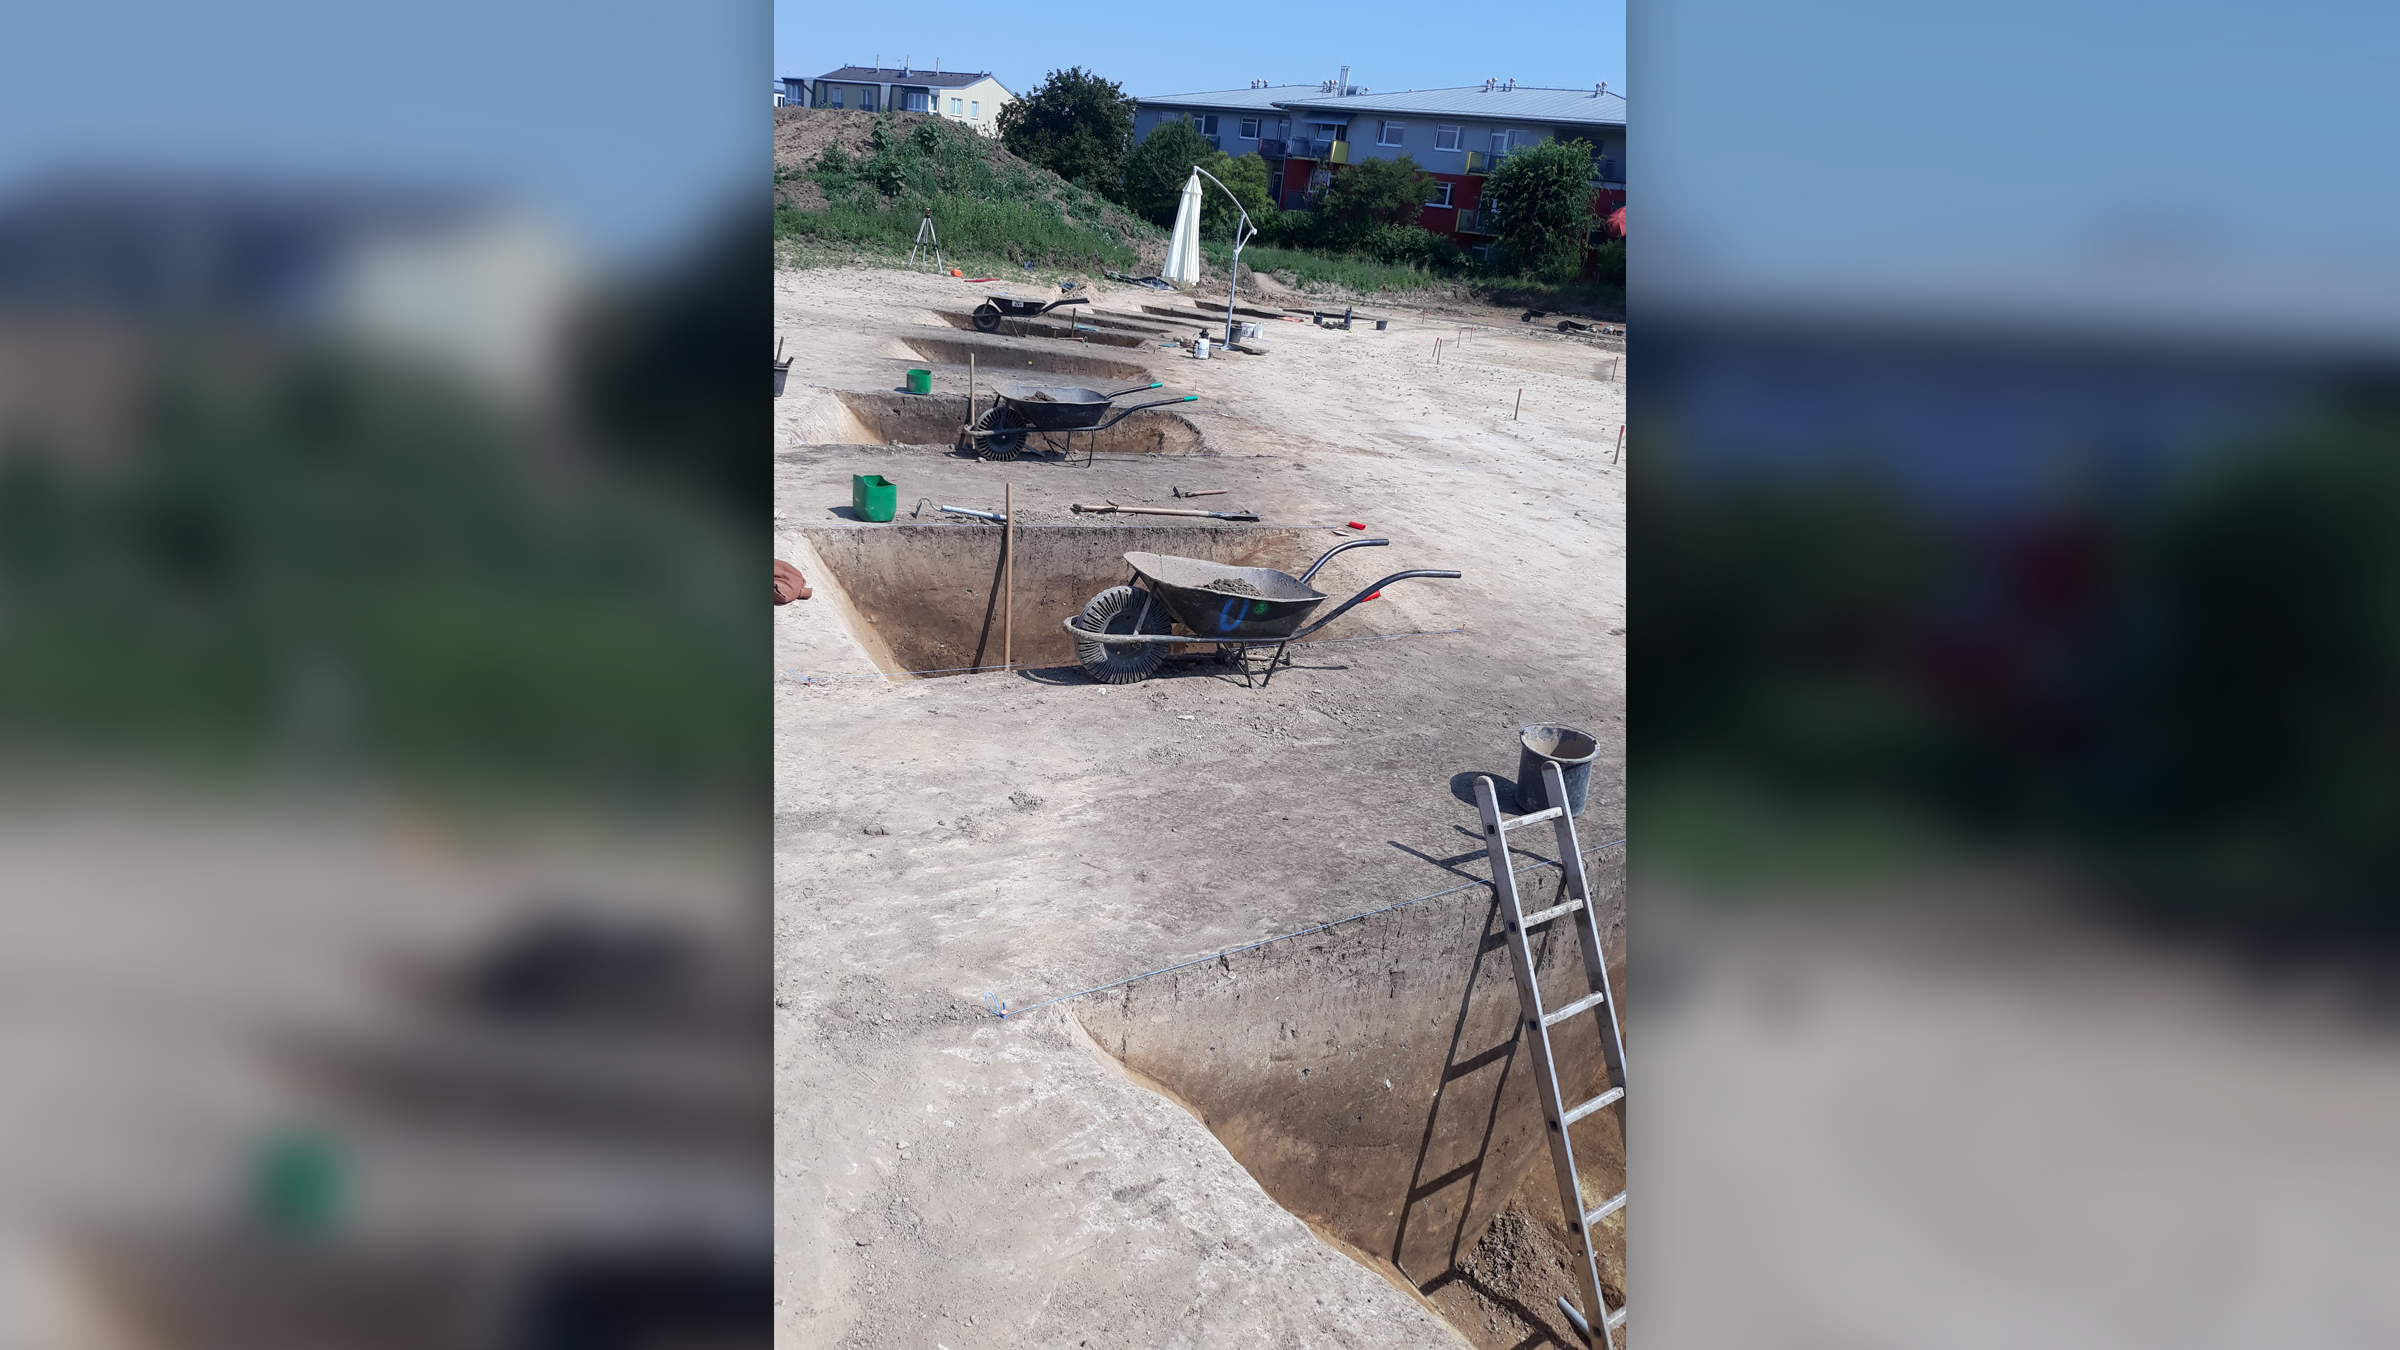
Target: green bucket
point(873, 496)
point(920, 381)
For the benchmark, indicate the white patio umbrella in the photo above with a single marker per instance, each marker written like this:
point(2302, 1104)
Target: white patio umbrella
point(1183, 246)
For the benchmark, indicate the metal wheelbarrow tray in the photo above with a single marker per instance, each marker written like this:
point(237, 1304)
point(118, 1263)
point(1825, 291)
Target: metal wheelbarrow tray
point(988, 315)
point(1122, 634)
point(1019, 409)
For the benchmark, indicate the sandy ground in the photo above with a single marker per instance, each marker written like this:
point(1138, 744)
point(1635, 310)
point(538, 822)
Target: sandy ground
point(945, 1177)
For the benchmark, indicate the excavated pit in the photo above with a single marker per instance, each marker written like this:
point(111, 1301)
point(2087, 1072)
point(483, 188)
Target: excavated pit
point(997, 355)
point(1375, 1081)
point(1132, 325)
point(934, 419)
point(929, 593)
point(1056, 325)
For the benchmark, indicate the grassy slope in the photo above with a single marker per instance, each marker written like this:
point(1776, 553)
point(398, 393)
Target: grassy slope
point(990, 208)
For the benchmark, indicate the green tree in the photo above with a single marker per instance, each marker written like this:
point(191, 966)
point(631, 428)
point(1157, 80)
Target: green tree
point(1543, 200)
point(1076, 125)
point(1159, 167)
point(1163, 163)
point(1247, 178)
point(1374, 192)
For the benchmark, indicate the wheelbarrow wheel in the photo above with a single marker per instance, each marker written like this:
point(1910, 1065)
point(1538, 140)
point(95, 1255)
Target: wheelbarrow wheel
point(1116, 610)
point(987, 317)
point(1000, 440)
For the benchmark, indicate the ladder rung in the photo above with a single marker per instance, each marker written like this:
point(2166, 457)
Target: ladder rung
point(1607, 1207)
point(1546, 915)
point(1535, 819)
point(1617, 1319)
point(1604, 1099)
point(1584, 1004)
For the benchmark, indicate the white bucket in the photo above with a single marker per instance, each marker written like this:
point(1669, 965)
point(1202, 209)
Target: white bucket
point(1202, 350)
point(1249, 330)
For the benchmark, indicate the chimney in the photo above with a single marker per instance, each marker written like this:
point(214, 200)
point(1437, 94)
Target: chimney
point(1344, 88)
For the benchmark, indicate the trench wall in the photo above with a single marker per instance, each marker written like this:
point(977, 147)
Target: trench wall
point(1373, 1077)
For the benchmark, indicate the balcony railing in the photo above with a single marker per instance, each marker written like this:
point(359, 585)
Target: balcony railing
point(1270, 147)
point(1474, 221)
point(1608, 172)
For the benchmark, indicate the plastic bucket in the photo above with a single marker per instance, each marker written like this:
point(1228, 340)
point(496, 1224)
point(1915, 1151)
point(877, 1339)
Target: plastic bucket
point(1571, 750)
point(1249, 330)
point(920, 381)
point(782, 368)
point(873, 496)
point(1202, 350)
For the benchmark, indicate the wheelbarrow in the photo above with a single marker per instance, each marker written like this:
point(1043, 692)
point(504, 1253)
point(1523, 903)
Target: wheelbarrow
point(1019, 410)
point(1122, 634)
point(988, 315)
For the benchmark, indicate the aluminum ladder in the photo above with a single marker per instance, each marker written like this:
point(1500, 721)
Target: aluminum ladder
point(1599, 1329)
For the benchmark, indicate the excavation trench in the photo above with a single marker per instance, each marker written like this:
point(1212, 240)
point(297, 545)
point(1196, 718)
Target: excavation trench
point(1058, 324)
point(996, 355)
point(1375, 1080)
point(860, 418)
point(929, 594)
point(1084, 321)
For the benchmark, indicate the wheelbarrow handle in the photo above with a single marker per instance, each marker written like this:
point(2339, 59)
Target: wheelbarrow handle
point(1137, 388)
point(1351, 543)
point(1344, 608)
point(1123, 413)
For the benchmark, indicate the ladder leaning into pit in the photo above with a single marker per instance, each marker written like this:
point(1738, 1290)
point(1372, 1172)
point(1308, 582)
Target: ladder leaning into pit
point(1595, 1321)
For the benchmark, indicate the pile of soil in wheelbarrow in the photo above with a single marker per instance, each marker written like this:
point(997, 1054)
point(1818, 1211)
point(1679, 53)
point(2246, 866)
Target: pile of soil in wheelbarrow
point(1235, 586)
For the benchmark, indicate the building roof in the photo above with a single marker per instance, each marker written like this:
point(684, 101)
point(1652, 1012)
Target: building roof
point(1265, 100)
point(946, 79)
point(1574, 107)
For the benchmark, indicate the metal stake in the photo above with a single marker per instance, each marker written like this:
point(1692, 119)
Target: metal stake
point(1008, 576)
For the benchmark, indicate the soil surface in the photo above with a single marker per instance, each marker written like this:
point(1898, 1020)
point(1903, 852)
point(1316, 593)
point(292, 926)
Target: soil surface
point(945, 1176)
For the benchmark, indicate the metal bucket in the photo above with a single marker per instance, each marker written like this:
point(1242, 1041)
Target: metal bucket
point(1571, 750)
point(782, 368)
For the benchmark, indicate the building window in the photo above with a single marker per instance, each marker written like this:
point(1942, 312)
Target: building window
point(1207, 122)
point(974, 109)
point(1499, 144)
point(1390, 133)
point(1441, 195)
point(956, 105)
point(1445, 138)
point(1481, 253)
point(1249, 128)
point(917, 100)
point(866, 100)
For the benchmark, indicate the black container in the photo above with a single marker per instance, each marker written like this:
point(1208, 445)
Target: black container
point(1571, 750)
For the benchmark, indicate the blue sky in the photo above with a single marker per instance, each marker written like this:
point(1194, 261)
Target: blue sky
point(1563, 44)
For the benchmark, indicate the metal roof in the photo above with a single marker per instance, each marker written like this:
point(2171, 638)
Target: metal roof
point(1573, 107)
point(947, 79)
point(1265, 100)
